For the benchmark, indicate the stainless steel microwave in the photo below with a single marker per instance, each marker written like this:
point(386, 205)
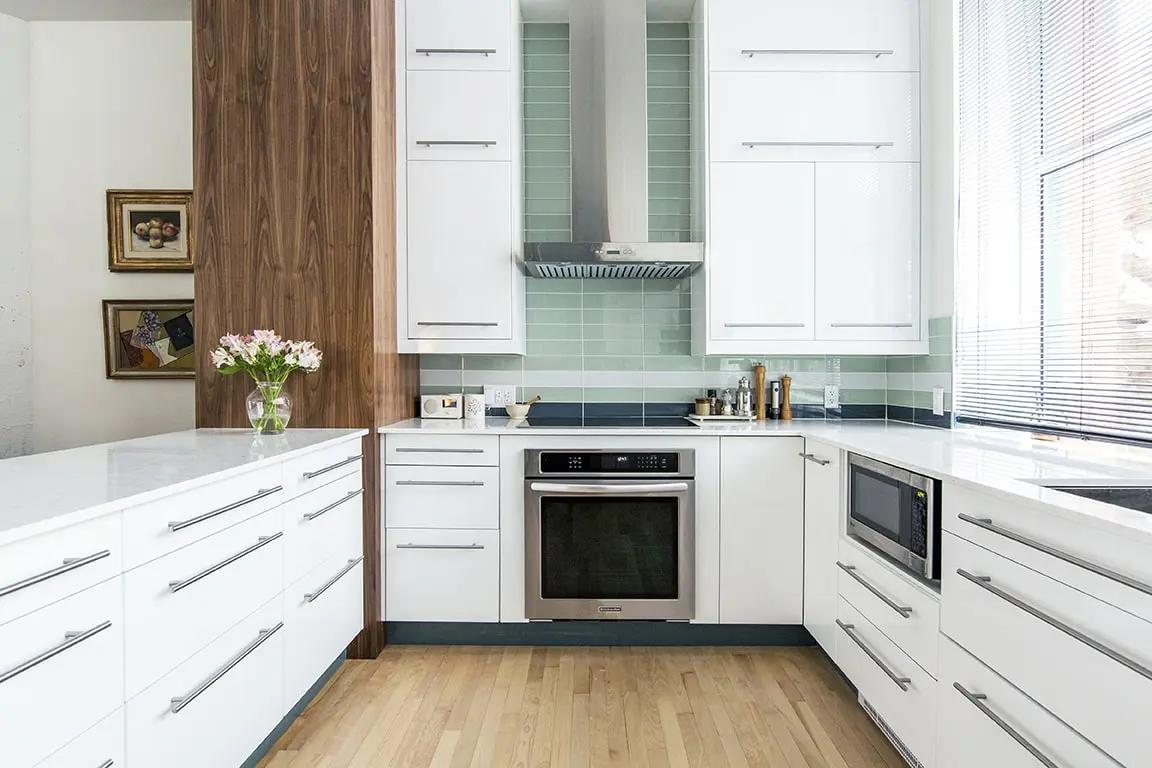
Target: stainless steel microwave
point(896, 512)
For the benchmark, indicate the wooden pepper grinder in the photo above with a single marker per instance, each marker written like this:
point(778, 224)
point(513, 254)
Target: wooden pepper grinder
point(786, 398)
point(761, 390)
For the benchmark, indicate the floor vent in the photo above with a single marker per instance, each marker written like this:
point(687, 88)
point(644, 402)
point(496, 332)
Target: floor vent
point(889, 734)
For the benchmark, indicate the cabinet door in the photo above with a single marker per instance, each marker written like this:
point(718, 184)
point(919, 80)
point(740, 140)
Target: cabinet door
point(876, 36)
point(761, 251)
point(822, 514)
point(459, 34)
point(459, 250)
point(868, 251)
point(442, 575)
point(459, 115)
point(761, 530)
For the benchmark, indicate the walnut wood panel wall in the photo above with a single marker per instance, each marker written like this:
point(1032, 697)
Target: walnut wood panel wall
point(294, 217)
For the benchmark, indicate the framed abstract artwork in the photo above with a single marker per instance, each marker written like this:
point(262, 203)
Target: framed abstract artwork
point(148, 230)
point(149, 339)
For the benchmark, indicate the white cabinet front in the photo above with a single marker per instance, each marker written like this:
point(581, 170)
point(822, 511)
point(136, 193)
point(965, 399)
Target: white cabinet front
point(459, 34)
point(823, 512)
point(442, 575)
point(760, 271)
point(459, 116)
point(460, 250)
point(868, 251)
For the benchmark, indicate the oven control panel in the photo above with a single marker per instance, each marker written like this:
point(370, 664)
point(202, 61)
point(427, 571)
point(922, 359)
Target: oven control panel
point(603, 463)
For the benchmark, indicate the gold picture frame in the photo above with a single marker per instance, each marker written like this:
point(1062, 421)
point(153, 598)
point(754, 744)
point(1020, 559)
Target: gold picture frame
point(148, 230)
point(149, 338)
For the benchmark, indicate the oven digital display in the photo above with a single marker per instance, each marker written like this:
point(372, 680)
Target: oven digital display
point(608, 463)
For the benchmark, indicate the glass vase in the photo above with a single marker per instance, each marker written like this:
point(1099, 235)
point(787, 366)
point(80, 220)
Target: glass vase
point(269, 408)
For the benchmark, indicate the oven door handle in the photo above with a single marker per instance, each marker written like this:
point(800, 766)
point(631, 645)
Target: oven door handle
point(604, 489)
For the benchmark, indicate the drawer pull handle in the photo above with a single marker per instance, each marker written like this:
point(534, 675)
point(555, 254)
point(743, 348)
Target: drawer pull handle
point(333, 505)
point(977, 700)
point(182, 524)
point(453, 483)
point(330, 467)
point(871, 325)
point(465, 324)
point(815, 459)
point(902, 682)
point(70, 639)
point(179, 702)
point(69, 564)
point(903, 610)
point(309, 597)
point(107, 764)
point(988, 525)
point(439, 450)
point(481, 51)
point(985, 583)
point(455, 143)
point(874, 53)
point(873, 144)
point(763, 325)
point(410, 545)
point(176, 586)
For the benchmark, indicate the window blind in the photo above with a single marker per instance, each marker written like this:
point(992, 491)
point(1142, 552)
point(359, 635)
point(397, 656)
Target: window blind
point(1054, 269)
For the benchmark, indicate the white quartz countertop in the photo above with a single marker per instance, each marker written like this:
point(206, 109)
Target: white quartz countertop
point(1004, 462)
point(45, 491)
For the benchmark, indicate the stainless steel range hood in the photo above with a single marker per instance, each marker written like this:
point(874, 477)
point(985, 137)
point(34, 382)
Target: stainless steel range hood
point(608, 60)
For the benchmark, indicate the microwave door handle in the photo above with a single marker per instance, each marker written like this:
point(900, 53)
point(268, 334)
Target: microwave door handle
point(604, 489)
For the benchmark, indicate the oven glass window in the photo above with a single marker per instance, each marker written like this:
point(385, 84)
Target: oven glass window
point(876, 502)
point(609, 548)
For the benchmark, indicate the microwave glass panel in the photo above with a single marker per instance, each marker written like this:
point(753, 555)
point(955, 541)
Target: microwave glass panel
point(876, 502)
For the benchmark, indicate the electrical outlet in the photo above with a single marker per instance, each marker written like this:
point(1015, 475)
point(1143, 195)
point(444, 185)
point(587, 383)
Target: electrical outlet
point(831, 396)
point(498, 396)
point(938, 401)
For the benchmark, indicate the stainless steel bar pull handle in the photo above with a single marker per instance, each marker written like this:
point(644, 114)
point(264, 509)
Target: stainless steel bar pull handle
point(815, 459)
point(477, 51)
point(455, 143)
point(872, 144)
point(985, 583)
point(444, 483)
point(903, 610)
point(263, 492)
point(410, 545)
point(333, 505)
point(330, 467)
point(71, 639)
point(107, 764)
point(763, 325)
point(176, 586)
point(1099, 570)
point(902, 682)
point(69, 564)
point(179, 702)
point(873, 52)
point(309, 597)
point(605, 489)
point(462, 324)
point(871, 325)
point(439, 450)
point(979, 700)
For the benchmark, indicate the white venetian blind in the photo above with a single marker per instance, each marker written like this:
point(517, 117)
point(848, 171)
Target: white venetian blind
point(1054, 273)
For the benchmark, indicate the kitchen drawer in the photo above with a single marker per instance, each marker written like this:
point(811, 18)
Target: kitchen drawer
point(323, 611)
point(880, 35)
point(101, 746)
point(898, 690)
point(455, 450)
point(442, 575)
point(43, 569)
point(442, 497)
point(456, 115)
point(323, 523)
point(814, 116)
point(907, 614)
point(319, 468)
point(984, 721)
point(55, 684)
point(178, 604)
point(230, 697)
point(1089, 674)
point(458, 34)
point(160, 527)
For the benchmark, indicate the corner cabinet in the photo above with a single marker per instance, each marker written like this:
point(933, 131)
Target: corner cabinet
point(458, 227)
point(814, 188)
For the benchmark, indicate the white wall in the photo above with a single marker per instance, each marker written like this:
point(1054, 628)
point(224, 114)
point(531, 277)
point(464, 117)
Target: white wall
point(15, 266)
point(111, 107)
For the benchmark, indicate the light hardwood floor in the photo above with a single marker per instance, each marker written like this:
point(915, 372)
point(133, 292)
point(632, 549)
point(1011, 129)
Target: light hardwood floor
point(493, 706)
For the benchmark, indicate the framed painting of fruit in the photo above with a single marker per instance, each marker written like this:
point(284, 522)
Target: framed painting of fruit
point(148, 230)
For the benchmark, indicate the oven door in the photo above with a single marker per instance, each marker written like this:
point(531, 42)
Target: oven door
point(610, 549)
point(889, 508)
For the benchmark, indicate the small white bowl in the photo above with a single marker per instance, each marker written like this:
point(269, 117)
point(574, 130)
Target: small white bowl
point(517, 410)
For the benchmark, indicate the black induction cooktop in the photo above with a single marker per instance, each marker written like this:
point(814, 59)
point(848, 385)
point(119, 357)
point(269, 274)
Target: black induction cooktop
point(606, 422)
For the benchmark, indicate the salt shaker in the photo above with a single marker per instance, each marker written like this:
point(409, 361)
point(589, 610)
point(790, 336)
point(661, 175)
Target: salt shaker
point(743, 397)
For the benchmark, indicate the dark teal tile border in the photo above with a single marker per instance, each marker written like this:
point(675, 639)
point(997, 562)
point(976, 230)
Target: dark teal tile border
point(659, 633)
point(293, 713)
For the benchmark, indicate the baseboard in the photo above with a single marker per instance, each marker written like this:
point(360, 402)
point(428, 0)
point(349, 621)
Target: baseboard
point(293, 713)
point(657, 633)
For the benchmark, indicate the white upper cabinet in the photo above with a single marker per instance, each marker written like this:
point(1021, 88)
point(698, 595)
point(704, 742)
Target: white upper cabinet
point(874, 36)
point(459, 34)
point(868, 251)
point(460, 116)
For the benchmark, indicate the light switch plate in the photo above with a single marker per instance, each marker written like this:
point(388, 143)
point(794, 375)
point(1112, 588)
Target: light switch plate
point(498, 396)
point(831, 396)
point(938, 401)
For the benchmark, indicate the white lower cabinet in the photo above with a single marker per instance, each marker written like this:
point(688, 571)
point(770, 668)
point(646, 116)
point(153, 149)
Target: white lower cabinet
point(442, 497)
point(823, 513)
point(101, 746)
point(216, 707)
point(442, 575)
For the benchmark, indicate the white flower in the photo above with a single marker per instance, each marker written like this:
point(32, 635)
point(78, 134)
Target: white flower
point(222, 358)
point(304, 355)
point(271, 341)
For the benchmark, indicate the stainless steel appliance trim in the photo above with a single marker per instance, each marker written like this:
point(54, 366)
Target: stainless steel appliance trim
point(179, 702)
point(452, 483)
point(263, 492)
point(482, 51)
point(176, 586)
point(610, 489)
point(464, 324)
point(686, 459)
point(410, 545)
point(985, 582)
point(815, 459)
point(873, 144)
point(69, 564)
point(871, 325)
point(903, 610)
point(977, 700)
point(70, 639)
point(900, 681)
point(333, 505)
point(1099, 570)
point(455, 143)
point(330, 467)
point(439, 450)
point(921, 566)
point(874, 52)
point(310, 596)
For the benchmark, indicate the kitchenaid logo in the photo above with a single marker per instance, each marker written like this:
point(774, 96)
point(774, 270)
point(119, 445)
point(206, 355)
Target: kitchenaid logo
point(609, 608)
